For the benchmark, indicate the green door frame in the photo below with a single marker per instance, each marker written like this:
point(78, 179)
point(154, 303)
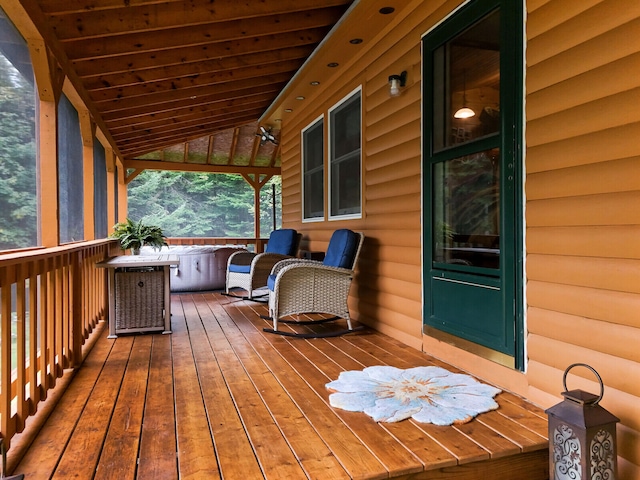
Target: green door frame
point(510, 281)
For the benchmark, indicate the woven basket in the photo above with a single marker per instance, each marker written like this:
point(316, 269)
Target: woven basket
point(139, 299)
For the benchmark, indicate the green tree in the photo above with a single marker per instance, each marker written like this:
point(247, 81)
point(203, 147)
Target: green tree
point(187, 204)
point(18, 207)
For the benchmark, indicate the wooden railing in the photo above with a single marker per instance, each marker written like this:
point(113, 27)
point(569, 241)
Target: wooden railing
point(50, 301)
point(255, 244)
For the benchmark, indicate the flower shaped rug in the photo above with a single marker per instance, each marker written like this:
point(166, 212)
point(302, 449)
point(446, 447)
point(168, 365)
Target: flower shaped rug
point(426, 394)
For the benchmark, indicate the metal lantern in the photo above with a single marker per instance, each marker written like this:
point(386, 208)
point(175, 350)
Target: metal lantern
point(582, 436)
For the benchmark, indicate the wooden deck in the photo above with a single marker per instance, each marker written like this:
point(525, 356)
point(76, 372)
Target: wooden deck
point(221, 399)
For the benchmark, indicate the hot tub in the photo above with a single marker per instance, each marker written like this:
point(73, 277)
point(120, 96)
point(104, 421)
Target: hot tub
point(202, 267)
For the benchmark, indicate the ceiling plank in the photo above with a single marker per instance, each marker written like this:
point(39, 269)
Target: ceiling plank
point(183, 55)
point(153, 143)
point(209, 102)
point(134, 18)
point(206, 34)
point(205, 66)
point(287, 67)
point(194, 123)
point(226, 89)
point(133, 124)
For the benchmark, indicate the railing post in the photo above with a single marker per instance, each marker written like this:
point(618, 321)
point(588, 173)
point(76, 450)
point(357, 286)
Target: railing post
point(77, 308)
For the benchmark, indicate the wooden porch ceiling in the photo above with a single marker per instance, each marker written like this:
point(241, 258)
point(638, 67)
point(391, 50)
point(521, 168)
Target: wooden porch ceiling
point(175, 72)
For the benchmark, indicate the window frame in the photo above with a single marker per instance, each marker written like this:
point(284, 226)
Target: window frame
point(332, 161)
point(319, 122)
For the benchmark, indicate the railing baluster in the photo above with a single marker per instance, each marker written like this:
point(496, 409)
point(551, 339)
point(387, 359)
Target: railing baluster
point(21, 342)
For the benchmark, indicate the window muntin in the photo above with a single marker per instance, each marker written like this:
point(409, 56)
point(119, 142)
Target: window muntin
point(345, 172)
point(18, 146)
point(313, 171)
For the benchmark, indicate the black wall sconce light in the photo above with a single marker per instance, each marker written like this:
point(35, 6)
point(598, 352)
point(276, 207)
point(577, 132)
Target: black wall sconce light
point(396, 82)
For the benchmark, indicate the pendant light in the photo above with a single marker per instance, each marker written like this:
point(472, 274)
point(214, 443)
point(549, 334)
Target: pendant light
point(464, 112)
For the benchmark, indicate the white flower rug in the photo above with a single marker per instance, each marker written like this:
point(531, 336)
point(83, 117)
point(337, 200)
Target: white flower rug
point(426, 394)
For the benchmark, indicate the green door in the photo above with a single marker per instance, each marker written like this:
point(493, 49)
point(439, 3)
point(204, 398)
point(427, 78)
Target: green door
point(472, 177)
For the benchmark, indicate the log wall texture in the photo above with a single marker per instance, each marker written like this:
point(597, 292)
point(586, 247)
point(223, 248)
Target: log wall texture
point(582, 210)
point(582, 188)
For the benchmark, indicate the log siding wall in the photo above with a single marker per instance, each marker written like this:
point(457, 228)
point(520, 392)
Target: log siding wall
point(582, 188)
point(583, 194)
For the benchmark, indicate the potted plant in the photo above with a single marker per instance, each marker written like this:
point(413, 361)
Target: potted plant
point(134, 235)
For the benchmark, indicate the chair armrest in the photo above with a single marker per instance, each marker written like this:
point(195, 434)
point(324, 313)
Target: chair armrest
point(264, 262)
point(293, 261)
point(310, 267)
point(241, 258)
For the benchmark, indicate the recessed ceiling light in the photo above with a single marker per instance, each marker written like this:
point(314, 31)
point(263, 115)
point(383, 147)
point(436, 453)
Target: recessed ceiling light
point(314, 83)
point(355, 41)
point(332, 64)
point(299, 97)
point(288, 110)
point(387, 10)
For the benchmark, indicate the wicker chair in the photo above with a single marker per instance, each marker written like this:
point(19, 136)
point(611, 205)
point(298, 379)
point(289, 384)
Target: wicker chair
point(307, 286)
point(250, 271)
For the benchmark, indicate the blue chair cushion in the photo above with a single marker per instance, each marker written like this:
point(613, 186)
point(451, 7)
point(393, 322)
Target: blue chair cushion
point(271, 282)
point(342, 249)
point(240, 268)
point(282, 241)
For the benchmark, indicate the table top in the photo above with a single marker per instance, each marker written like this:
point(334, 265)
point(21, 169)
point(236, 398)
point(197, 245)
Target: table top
point(139, 261)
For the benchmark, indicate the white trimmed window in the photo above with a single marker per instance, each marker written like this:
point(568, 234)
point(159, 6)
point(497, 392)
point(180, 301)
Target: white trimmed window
point(345, 158)
point(313, 171)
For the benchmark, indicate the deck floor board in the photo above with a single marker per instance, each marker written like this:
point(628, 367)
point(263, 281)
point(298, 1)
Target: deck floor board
point(220, 398)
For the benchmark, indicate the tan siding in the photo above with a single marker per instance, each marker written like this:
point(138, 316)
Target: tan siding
point(607, 209)
point(614, 176)
point(609, 242)
point(613, 307)
point(612, 339)
point(618, 274)
point(548, 15)
point(584, 88)
point(582, 212)
point(612, 144)
point(582, 58)
point(581, 28)
point(602, 114)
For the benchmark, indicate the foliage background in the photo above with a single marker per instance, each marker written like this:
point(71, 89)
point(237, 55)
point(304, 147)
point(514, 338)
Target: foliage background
point(188, 204)
point(18, 208)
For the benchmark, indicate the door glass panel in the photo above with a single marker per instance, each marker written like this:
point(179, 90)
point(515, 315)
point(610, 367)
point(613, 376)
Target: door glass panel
point(466, 76)
point(467, 210)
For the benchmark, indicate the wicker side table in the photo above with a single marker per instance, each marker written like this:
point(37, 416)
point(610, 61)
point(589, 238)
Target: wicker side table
point(139, 295)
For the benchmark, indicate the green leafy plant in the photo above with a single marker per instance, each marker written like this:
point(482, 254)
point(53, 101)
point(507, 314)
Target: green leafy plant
point(134, 235)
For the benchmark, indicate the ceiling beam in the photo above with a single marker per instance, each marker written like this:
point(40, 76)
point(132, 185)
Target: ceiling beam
point(192, 167)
